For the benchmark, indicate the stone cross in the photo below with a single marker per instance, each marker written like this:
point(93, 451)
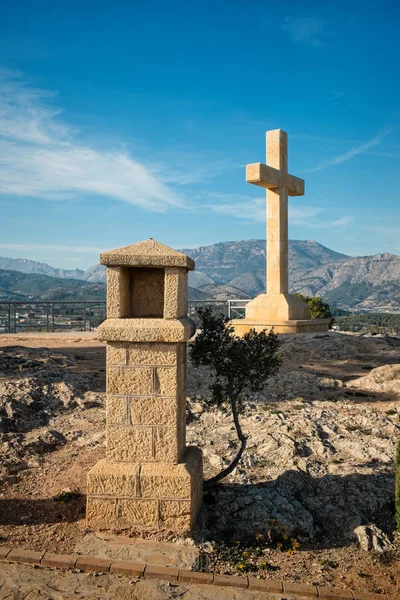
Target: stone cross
point(149, 478)
point(279, 184)
point(277, 309)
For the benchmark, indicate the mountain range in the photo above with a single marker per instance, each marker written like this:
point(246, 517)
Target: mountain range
point(23, 265)
point(21, 287)
point(231, 270)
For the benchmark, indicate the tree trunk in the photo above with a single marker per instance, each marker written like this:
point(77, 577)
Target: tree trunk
point(243, 442)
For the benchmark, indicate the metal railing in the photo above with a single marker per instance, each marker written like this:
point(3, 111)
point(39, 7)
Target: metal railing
point(233, 309)
point(236, 308)
point(85, 316)
point(51, 316)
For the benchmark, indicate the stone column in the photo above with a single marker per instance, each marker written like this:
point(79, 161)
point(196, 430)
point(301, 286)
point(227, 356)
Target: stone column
point(277, 217)
point(149, 478)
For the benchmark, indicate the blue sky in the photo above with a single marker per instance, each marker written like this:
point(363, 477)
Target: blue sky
point(126, 120)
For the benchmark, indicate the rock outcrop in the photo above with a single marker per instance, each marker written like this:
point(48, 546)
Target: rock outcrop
point(36, 385)
point(320, 453)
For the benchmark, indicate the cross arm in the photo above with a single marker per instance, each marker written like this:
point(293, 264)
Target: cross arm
point(270, 178)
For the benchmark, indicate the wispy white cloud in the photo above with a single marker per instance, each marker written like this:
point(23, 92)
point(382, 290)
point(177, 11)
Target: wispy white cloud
point(342, 222)
point(52, 247)
point(187, 168)
point(240, 207)
point(254, 209)
point(360, 149)
point(42, 157)
point(246, 208)
point(308, 31)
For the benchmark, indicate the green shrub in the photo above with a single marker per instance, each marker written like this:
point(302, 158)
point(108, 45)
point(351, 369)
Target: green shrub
point(239, 367)
point(318, 308)
point(278, 536)
point(64, 497)
point(391, 411)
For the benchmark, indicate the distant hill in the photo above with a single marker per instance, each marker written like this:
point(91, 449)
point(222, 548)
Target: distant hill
point(241, 265)
point(95, 273)
point(23, 287)
point(17, 286)
point(24, 265)
point(221, 292)
point(363, 283)
point(237, 270)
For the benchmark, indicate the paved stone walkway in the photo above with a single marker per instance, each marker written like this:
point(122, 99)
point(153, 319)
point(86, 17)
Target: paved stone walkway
point(19, 582)
point(122, 547)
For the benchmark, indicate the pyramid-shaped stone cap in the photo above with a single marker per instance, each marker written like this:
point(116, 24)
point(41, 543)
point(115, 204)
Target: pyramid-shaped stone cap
point(148, 253)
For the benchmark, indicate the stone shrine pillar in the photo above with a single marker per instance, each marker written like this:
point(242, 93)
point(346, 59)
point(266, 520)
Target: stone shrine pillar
point(149, 478)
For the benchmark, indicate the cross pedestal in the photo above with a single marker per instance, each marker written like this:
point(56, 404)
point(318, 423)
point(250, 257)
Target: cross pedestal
point(285, 312)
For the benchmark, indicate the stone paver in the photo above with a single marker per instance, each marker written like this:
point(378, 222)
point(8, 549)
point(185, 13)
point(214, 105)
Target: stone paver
point(26, 582)
point(124, 548)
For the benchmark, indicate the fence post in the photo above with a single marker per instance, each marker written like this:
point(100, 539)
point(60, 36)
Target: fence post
point(9, 318)
point(15, 318)
point(90, 316)
point(84, 316)
point(52, 317)
point(47, 317)
point(229, 309)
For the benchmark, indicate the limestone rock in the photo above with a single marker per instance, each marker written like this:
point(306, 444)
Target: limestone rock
point(384, 379)
point(317, 461)
point(370, 537)
point(37, 386)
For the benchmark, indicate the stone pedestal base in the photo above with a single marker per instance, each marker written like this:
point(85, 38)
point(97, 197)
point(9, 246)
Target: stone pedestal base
point(285, 313)
point(277, 307)
point(243, 326)
point(145, 496)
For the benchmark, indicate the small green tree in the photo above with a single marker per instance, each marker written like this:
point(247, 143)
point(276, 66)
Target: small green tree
point(240, 365)
point(318, 308)
point(398, 485)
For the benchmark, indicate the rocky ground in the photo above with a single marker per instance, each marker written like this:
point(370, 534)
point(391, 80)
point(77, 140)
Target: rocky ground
point(316, 485)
